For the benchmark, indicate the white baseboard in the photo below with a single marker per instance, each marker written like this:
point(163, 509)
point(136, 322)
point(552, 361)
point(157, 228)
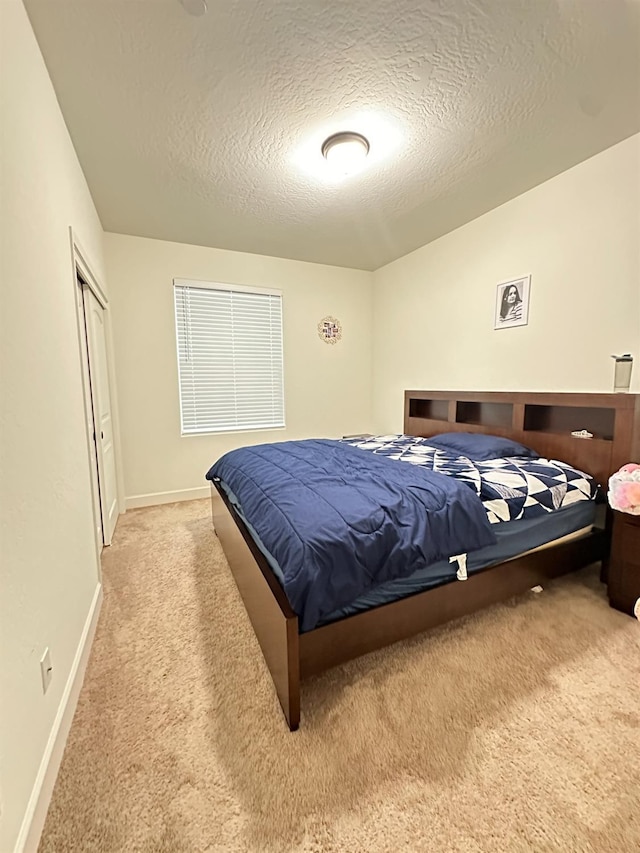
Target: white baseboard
point(156, 498)
point(36, 813)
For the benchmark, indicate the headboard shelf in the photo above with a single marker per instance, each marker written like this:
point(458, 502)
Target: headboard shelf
point(566, 419)
point(435, 410)
point(484, 414)
point(532, 436)
point(541, 421)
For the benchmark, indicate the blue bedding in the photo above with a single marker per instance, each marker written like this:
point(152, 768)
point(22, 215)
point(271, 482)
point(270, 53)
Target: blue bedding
point(513, 539)
point(511, 488)
point(340, 522)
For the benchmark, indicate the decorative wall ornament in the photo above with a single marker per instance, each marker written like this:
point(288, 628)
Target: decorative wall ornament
point(330, 330)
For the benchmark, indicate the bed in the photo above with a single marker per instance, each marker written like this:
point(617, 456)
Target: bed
point(303, 642)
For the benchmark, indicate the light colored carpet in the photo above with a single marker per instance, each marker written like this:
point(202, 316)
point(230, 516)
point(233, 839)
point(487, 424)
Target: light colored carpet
point(515, 729)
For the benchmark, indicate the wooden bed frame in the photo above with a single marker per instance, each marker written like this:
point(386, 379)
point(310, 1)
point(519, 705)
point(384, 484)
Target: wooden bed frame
point(541, 421)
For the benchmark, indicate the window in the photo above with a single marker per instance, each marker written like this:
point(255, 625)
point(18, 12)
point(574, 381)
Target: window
point(229, 357)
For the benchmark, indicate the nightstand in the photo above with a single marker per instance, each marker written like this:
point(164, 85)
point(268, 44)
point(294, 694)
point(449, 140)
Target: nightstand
point(624, 563)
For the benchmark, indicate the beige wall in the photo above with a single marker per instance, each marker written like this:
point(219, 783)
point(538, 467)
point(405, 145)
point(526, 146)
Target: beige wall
point(48, 565)
point(327, 387)
point(577, 234)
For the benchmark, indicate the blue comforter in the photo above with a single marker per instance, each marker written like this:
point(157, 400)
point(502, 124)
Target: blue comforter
point(339, 521)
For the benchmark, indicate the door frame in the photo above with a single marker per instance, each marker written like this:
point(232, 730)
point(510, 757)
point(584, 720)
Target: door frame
point(82, 268)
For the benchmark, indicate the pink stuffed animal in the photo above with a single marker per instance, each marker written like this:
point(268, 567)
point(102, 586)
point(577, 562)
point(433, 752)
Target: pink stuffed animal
point(624, 489)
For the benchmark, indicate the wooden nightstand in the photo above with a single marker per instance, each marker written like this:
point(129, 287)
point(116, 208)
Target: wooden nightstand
point(624, 563)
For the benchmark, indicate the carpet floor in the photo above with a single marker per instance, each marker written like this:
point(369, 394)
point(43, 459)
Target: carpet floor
point(515, 729)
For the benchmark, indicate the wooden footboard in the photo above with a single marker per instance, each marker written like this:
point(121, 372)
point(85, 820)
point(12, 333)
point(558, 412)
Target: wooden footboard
point(291, 657)
point(274, 622)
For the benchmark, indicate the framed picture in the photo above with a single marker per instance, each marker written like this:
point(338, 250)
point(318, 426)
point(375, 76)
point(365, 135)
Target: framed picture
point(512, 303)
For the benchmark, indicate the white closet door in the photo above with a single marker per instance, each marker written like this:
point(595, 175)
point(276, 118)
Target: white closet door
point(101, 399)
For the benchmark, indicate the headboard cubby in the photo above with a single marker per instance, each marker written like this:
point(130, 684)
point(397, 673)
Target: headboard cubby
point(541, 421)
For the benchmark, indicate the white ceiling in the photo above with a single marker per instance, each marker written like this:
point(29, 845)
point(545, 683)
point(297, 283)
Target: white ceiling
point(207, 130)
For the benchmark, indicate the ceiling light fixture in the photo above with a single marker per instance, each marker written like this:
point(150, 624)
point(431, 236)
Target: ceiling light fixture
point(345, 152)
point(197, 8)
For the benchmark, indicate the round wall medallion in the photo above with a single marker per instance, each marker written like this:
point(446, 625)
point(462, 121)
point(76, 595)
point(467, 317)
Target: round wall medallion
point(330, 330)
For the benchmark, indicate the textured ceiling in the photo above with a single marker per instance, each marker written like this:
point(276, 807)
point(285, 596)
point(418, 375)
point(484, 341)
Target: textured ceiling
point(207, 130)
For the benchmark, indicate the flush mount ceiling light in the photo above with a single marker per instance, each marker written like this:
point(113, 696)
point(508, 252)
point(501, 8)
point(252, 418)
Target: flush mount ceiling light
point(345, 152)
point(195, 7)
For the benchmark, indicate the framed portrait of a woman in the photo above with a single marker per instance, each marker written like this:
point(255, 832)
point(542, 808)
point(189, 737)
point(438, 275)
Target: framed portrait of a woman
point(512, 303)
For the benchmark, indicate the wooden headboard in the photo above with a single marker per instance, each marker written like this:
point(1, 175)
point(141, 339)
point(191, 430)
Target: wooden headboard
point(543, 422)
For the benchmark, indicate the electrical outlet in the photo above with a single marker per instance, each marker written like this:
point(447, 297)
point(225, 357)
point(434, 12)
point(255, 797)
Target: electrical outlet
point(46, 670)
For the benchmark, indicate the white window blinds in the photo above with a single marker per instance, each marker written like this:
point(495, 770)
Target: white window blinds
point(229, 357)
